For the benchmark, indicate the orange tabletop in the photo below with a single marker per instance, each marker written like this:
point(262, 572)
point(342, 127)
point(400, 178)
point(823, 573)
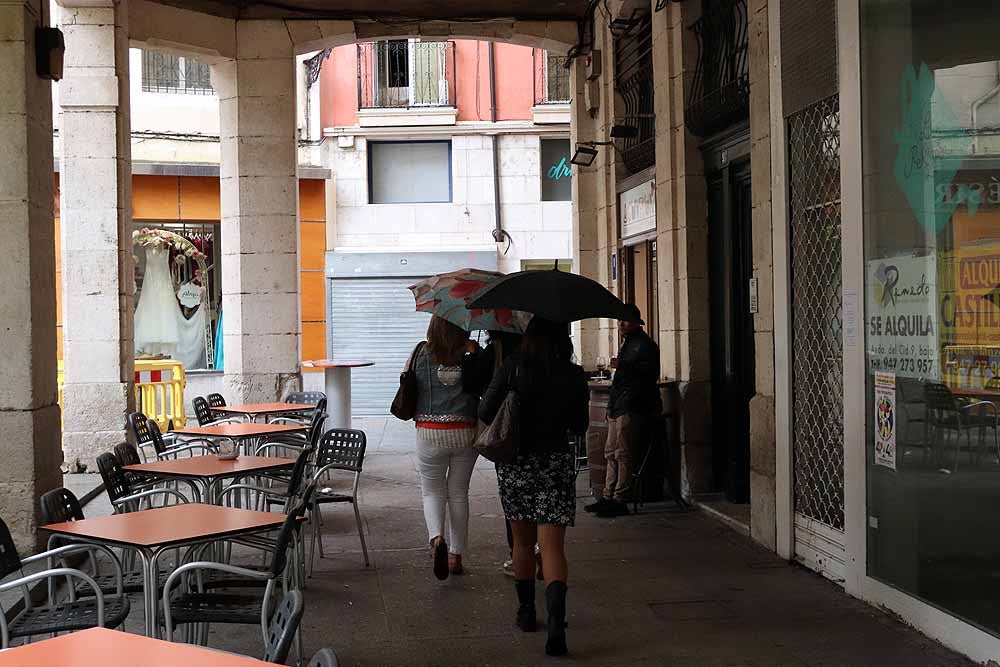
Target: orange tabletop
point(264, 408)
point(166, 526)
point(110, 648)
point(337, 363)
point(211, 466)
point(247, 430)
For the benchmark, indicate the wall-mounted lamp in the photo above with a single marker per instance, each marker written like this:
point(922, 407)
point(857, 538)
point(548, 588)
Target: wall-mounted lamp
point(49, 50)
point(586, 153)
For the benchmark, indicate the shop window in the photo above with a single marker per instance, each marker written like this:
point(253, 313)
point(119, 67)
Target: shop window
point(165, 73)
point(178, 291)
point(557, 176)
point(409, 172)
point(931, 150)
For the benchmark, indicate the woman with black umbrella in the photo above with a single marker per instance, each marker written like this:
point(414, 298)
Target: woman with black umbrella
point(537, 489)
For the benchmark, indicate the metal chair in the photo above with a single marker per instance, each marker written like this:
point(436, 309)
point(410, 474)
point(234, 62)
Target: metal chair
point(75, 614)
point(283, 627)
point(61, 505)
point(198, 606)
point(123, 497)
point(945, 413)
point(203, 413)
point(320, 409)
point(325, 657)
point(192, 446)
point(128, 455)
point(216, 401)
point(135, 424)
point(305, 397)
point(340, 449)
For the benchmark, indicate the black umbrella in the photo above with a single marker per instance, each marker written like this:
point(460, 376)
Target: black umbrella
point(555, 295)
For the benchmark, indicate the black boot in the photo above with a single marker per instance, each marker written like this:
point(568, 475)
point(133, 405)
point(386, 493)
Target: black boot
point(555, 605)
point(526, 608)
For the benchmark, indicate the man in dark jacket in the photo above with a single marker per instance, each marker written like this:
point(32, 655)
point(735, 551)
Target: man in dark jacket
point(634, 399)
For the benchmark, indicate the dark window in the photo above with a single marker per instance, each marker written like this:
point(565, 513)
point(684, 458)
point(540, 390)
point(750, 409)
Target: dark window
point(634, 83)
point(397, 63)
point(409, 172)
point(557, 174)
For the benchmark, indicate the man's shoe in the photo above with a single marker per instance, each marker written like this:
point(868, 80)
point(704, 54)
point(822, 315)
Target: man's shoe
point(612, 509)
point(508, 567)
point(596, 506)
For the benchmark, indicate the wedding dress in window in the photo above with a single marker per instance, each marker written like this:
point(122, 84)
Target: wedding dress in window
point(156, 316)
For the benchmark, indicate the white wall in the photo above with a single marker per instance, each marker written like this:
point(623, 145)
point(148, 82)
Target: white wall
point(540, 230)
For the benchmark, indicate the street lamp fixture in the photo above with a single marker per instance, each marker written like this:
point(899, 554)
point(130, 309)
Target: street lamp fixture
point(585, 154)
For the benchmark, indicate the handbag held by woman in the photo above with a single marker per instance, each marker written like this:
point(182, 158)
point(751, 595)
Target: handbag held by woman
point(404, 403)
point(499, 441)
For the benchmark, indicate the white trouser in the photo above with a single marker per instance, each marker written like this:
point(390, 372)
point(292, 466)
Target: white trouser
point(444, 480)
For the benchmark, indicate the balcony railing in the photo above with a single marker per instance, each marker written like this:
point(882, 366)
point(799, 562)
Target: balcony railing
point(401, 73)
point(720, 91)
point(551, 78)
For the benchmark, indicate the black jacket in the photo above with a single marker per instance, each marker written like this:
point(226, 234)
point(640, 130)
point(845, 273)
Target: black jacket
point(553, 403)
point(634, 388)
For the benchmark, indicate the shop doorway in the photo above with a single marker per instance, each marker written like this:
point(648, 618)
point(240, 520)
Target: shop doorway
point(731, 320)
point(640, 275)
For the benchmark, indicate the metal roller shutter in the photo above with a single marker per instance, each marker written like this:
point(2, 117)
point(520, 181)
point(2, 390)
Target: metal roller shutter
point(373, 319)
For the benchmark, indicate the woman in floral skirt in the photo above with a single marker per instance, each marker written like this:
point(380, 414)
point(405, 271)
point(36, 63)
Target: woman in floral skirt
point(537, 489)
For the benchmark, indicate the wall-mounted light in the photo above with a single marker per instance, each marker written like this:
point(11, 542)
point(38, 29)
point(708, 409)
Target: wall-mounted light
point(49, 50)
point(585, 154)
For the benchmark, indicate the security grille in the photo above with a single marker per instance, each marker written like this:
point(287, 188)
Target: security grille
point(634, 83)
point(165, 73)
point(400, 73)
point(551, 77)
point(817, 353)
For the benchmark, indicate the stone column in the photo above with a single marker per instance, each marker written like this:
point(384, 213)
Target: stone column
point(259, 213)
point(96, 206)
point(762, 406)
point(682, 242)
point(29, 415)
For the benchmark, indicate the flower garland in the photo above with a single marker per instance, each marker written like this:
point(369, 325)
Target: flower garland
point(146, 237)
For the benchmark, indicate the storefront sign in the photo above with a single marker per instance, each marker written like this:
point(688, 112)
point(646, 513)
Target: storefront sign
point(638, 210)
point(970, 295)
point(885, 419)
point(189, 294)
point(902, 323)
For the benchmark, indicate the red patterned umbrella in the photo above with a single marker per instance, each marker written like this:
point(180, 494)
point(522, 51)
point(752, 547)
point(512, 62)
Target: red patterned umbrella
point(444, 295)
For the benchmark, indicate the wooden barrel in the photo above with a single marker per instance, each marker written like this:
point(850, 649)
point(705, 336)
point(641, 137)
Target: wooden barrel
point(597, 434)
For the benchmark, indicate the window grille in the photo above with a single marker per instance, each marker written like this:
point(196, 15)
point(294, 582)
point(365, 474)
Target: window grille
point(634, 83)
point(165, 73)
point(551, 78)
point(720, 90)
point(400, 73)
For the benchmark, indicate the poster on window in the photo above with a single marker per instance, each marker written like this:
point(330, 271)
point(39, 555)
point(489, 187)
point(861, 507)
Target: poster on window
point(885, 419)
point(902, 316)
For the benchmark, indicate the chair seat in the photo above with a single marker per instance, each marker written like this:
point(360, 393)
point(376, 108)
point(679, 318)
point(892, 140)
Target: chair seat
point(131, 583)
point(215, 608)
point(328, 495)
point(214, 579)
point(79, 615)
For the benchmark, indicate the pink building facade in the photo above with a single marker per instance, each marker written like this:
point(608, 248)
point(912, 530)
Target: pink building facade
point(443, 155)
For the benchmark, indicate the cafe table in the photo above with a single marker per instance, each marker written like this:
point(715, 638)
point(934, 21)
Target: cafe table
point(247, 434)
point(254, 410)
point(210, 471)
point(153, 531)
point(100, 647)
point(337, 379)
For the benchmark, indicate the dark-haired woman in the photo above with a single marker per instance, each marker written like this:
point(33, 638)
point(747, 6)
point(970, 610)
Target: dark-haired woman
point(446, 429)
point(537, 489)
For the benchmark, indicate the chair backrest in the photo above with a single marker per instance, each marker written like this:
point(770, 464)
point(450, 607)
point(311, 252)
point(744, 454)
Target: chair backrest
point(216, 401)
point(305, 397)
point(155, 437)
point(298, 472)
point(202, 411)
point(127, 454)
point(59, 505)
point(283, 626)
point(316, 427)
point(137, 428)
point(939, 400)
point(10, 561)
point(320, 406)
point(285, 537)
point(113, 475)
point(325, 657)
point(343, 448)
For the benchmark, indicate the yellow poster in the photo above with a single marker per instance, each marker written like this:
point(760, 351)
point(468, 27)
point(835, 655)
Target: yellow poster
point(969, 295)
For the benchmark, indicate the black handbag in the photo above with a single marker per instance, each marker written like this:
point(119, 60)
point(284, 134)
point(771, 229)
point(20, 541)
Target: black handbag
point(499, 442)
point(404, 403)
